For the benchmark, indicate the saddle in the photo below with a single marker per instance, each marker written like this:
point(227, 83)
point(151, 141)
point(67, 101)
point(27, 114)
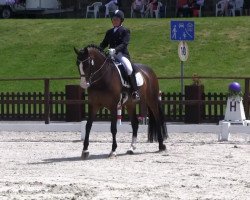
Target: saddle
point(124, 76)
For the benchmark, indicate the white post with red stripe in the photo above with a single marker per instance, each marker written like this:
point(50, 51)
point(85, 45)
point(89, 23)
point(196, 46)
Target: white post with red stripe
point(160, 95)
point(119, 114)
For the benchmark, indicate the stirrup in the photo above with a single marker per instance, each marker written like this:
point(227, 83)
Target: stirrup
point(136, 96)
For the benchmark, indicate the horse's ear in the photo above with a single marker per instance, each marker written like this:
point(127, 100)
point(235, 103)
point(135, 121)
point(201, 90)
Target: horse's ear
point(76, 50)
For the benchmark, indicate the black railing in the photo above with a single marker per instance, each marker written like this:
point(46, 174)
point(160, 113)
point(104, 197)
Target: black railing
point(55, 106)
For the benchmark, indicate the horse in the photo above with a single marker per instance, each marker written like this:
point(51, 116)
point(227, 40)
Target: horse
point(101, 77)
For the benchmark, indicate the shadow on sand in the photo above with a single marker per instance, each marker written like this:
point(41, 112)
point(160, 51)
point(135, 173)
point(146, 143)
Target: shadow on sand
point(91, 157)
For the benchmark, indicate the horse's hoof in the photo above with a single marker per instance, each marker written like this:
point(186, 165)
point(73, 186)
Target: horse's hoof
point(85, 155)
point(130, 152)
point(162, 147)
point(112, 154)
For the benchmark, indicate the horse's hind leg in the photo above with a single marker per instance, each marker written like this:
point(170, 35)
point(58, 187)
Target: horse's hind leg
point(155, 123)
point(134, 122)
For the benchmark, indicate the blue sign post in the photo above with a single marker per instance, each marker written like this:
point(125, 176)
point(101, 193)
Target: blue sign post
point(182, 31)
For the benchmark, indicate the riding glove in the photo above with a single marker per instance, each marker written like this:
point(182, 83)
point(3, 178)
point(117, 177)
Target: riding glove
point(111, 52)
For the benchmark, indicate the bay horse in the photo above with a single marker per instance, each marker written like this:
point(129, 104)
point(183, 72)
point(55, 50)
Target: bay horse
point(101, 78)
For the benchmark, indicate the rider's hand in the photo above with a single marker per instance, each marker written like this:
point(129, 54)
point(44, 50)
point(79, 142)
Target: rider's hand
point(111, 52)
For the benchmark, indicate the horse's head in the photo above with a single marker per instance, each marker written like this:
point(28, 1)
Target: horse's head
point(90, 61)
point(83, 62)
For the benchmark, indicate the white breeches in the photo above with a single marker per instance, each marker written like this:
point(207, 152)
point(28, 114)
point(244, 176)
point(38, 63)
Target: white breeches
point(121, 58)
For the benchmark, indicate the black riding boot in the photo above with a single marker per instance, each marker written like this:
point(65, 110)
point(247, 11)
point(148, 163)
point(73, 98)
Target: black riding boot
point(134, 87)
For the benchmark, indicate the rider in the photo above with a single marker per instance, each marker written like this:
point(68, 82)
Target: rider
point(117, 38)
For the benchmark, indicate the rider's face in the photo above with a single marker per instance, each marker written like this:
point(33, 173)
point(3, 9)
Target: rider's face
point(116, 21)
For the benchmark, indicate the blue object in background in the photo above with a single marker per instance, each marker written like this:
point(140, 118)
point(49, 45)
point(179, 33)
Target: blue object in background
point(234, 87)
point(182, 30)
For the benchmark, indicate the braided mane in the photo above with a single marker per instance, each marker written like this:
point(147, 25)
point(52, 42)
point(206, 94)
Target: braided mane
point(94, 46)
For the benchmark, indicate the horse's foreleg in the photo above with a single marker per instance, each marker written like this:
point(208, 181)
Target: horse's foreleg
point(87, 129)
point(85, 152)
point(134, 123)
point(113, 131)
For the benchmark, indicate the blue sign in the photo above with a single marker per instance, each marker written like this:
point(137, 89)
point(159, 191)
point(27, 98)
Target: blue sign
point(182, 30)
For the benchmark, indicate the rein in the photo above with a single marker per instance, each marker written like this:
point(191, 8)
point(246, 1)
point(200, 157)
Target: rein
point(92, 74)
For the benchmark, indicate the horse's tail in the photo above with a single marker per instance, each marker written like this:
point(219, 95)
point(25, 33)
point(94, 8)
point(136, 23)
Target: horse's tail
point(152, 125)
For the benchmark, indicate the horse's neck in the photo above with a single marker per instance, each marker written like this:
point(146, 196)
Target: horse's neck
point(99, 58)
point(105, 69)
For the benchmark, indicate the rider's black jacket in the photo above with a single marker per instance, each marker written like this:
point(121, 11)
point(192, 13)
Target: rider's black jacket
point(117, 40)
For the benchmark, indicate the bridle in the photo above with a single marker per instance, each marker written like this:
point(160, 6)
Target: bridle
point(90, 65)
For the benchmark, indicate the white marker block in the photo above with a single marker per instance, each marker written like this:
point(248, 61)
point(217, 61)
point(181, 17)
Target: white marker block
point(235, 110)
point(224, 133)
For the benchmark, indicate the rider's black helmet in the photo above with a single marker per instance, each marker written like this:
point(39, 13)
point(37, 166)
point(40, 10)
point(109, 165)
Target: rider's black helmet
point(119, 14)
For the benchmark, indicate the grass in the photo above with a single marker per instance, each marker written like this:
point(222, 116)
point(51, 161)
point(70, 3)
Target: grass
point(44, 48)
